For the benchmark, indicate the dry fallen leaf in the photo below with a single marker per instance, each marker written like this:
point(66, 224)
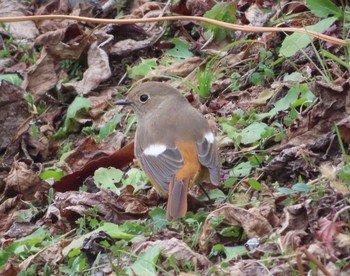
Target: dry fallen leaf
point(118, 159)
point(18, 30)
point(90, 150)
point(254, 225)
point(296, 218)
point(97, 72)
point(328, 232)
point(23, 179)
point(177, 249)
point(42, 76)
point(14, 112)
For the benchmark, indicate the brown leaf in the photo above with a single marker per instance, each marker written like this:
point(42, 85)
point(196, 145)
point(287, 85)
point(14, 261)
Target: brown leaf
point(254, 225)
point(76, 204)
point(328, 232)
point(23, 179)
point(18, 30)
point(296, 218)
point(320, 119)
point(132, 38)
point(181, 69)
point(98, 71)
point(119, 159)
point(192, 7)
point(42, 76)
point(90, 150)
point(292, 240)
point(70, 43)
point(11, 268)
point(177, 249)
point(14, 112)
point(92, 245)
point(52, 255)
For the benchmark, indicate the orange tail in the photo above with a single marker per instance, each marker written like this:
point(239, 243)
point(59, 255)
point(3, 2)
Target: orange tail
point(177, 199)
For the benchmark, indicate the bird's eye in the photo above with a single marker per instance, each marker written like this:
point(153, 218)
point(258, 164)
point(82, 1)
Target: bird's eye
point(144, 98)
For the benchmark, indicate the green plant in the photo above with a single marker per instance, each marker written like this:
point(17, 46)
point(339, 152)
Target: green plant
point(73, 68)
point(76, 109)
point(225, 12)
point(88, 223)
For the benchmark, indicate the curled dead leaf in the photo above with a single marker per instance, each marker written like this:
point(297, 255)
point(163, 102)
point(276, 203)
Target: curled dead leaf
point(292, 240)
point(13, 113)
point(296, 218)
point(23, 179)
point(98, 71)
point(254, 225)
point(177, 249)
point(90, 150)
point(328, 232)
point(118, 159)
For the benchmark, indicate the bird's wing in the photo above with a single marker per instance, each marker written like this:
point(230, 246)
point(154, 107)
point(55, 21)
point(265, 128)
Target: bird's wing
point(209, 157)
point(160, 165)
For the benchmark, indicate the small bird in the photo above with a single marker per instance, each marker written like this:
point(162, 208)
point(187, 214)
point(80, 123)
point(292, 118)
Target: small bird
point(173, 143)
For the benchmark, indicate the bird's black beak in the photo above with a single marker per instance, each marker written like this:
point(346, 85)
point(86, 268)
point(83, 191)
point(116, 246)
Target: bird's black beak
point(122, 102)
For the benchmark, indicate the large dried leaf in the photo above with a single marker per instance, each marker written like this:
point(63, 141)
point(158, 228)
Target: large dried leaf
point(14, 112)
point(253, 224)
point(18, 30)
point(119, 159)
point(98, 71)
point(90, 150)
point(177, 249)
point(328, 232)
point(42, 76)
point(23, 179)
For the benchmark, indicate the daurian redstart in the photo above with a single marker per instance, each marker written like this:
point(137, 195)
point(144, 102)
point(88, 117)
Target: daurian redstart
point(174, 143)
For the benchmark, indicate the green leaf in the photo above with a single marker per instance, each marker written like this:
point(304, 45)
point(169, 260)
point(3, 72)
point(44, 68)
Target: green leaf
point(181, 49)
point(300, 187)
point(159, 220)
point(324, 8)
point(78, 106)
point(109, 127)
point(142, 69)
point(215, 194)
point(230, 182)
point(136, 178)
point(298, 41)
point(12, 78)
point(107, 178)
point(19, 247)
point(253, 132)
point(145, 263)
point(283, 104)
point(232, 252)
point(344, 174)
point(225, 12)
point(241, 170)
point(115, 231)
point(54, 174)
point(255, 184)
point(231, 131)
point(231, 232)
point(285, 191)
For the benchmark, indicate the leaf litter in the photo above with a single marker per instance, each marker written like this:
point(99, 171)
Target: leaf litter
point(74, 200)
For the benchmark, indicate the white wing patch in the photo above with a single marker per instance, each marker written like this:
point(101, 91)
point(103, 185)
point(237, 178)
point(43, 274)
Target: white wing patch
point(209, 137)
point(155, 149)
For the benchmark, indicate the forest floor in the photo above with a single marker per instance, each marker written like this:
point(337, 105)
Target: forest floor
point(74, 202)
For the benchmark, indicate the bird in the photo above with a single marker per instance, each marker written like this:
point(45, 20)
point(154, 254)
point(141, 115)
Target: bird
point(174, 143)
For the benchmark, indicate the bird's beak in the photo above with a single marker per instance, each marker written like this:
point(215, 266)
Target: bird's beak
point(122, 102)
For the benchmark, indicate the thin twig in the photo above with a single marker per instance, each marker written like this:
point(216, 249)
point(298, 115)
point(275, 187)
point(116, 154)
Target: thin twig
point(226, 25)
point(313, 259)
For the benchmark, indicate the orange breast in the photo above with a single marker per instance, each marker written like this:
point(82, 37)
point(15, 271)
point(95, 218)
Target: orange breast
point(192, 171)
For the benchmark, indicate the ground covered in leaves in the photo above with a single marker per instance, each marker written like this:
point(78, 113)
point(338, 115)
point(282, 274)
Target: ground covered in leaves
point(74, 202)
